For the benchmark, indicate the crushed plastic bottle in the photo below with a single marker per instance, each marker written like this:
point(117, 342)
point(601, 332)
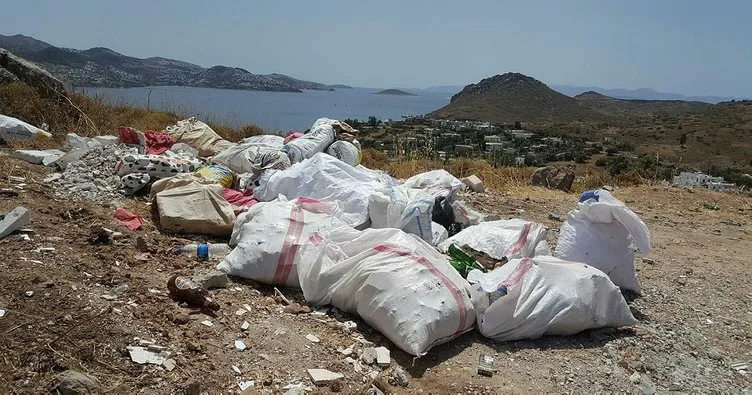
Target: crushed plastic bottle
point(205, 251)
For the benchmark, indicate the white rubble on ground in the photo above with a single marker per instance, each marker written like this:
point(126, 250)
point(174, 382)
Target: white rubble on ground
point(93, 176)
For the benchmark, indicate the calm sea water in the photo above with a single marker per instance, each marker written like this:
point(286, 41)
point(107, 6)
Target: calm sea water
point(273, 110)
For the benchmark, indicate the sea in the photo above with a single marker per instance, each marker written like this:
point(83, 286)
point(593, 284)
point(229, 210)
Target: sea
point(273, 111)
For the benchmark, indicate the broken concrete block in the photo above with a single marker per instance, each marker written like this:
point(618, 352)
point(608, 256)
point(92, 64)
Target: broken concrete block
point(245, 325)
point(312, 338)
point(382, 356)
point(13, 221)
point(38, 157)
point(52, 178)
point(474, 183)
point(212, 279)
point(169, 364)
point(323, 376)
point(141, 355)
point(239, 345)
point(369, 355)
point(106, 139)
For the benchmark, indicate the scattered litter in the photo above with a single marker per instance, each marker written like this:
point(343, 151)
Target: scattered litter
point(207, 323)
point(323, 376)
point(169, 364)
point(13, 221)
point(44, 250)
point(2, 313)
point(239, 345)
point(245, 325)
point(244, 385)
point(129, 219)
point(24, 237)
point(142, 355)
point(236, 369)
point(29, 294)
point(555, 217)
point(485, 365)
point(240, 312)
point(383, 358)
point(248, 307)
point(312, 338)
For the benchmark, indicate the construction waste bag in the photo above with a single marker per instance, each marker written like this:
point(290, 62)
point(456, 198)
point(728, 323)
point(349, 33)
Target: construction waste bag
point(393, 280)
point(268, 235)
point(255, 154)
point(465, 214)
point(157, 166)
point(219, 174)
point(325, 178)
point(605, 234)
point(199, 136)
point(438, 234)
point(12, 129)
point(531, 297)
point(436, 183)
point(195, 208)
point(321, 136)
point(402, 208)
point(346, 152)
point(513, 238)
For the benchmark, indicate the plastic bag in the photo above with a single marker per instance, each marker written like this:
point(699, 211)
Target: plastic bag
point(437, 183)
point(219, 174)
point(443, 213)
point(12, 129)
point(513, 238)
point(394, 281)
point(268, 235)
point(531, 297)
point(605, 233)
point(438, 234)
point(402, 208)
point(465, 214)
point(325, 178)
point(321, 136)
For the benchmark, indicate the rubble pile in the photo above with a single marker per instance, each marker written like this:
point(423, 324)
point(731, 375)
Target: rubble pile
point(93, 176)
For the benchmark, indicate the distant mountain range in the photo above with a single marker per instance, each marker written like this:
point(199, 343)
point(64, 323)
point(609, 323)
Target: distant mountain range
point(103, 67)
point(627, 94)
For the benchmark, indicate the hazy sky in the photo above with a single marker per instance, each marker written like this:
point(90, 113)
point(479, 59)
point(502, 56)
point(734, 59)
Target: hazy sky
point(681, 46)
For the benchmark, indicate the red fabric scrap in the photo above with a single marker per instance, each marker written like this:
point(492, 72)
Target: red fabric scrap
point(128, 135)
point(158, 142)
point(129, 219)
point(293, 136)
point(238, 200)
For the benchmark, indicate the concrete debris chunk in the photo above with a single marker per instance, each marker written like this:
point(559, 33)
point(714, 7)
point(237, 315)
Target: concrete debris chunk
point(169, 364)
point(239, 345)
point(2, 313)
point(13, 221)
point(323, 376)
point(369, 355)
point(212, 279)
point(245, 325)
point(142, 355)
point(236, 369)
point(383, 358)
point(399, 377)
point(312, 338)
point(474, 183)
point(38, 157)
point(245, 385)
point(207, 323)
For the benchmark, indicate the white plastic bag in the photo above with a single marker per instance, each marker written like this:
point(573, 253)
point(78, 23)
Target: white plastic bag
point(325, 178)
point(605, 233)
point(402, 208)
point(15, 129)
point(252, 158)
point(268, 235)
point(321, 136)
point(266, 140)
point(465, 214)
point(513, 238)
point(437, 183)
point(345, 151)
point(395, 281)
point(438, 234)
point(546, 296)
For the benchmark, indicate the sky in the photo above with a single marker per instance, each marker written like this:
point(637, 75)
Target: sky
point(678, 46)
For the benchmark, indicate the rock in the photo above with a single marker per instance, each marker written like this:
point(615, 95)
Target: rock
point(553, 178)
point(555, 217)
point(312, 338)
point(374, 390)
point(212, 279)
point(52, 178)
point(399, 377)
point(191, 387)
point(37, 157)
point(382, 357)
point(169, 364)
point(29, 73)
point(649, 261)
point(635, 378)
point(239, 345)
point(296, 308)
point(474, 183)
point(72, 382)
point(715, 354)
point(13, 221)
point(369, 355)
point(323, 376)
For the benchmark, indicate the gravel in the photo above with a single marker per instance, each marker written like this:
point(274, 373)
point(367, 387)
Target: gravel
point(93, 177)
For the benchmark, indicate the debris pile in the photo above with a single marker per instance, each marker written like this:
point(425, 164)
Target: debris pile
point(93, 176)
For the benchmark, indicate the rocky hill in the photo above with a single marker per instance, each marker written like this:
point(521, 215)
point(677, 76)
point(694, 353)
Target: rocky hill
point(620, 107)
point(103, 67)
point(514, 97)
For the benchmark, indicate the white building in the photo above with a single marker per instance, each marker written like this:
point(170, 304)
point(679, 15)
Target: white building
point(492, 139)
point(697, 179)
point(494, 147)
point(721, 186)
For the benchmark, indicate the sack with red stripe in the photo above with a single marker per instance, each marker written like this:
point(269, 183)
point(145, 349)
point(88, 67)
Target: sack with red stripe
point(395, 281)
point(513, 238)
point(268, 235)
point(531, 297)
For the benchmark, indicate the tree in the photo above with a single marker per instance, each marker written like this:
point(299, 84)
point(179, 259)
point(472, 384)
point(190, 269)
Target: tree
point(372, 121)
point(683, 139)
point(517, 125)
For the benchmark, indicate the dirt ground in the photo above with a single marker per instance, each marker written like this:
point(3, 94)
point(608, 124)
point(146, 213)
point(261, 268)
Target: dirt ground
point(90, 301)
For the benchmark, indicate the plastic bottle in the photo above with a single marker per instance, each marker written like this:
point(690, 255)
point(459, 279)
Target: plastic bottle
point(185, 290)
point(205, 251)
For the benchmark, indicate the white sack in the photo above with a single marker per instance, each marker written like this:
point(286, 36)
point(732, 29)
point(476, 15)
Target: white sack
point(322, 177)
point(438, 234)
point(394, 281)
point(321, 136)
point(195, 208)
point(513, 238)
point(266, 140)
point(437, 183)
point(252, 158)
point(547, 296)
point(268, 235)
point(199, 136)
point(465, 214)
point(15, 129)
point(605, 234)
point(345, 151)
point(402, 208)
